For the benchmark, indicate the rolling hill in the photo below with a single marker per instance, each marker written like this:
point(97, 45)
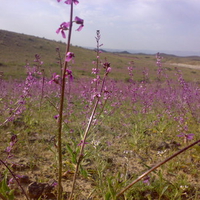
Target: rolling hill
point(17, 49)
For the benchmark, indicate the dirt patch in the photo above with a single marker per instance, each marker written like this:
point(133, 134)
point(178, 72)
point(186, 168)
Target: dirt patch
point(186, 65)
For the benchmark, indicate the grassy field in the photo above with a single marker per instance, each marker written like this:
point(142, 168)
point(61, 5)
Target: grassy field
point(142, 118)
point(18, 49)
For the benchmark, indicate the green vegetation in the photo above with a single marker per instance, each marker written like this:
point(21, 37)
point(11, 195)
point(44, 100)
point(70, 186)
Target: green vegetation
point(18, 49)
point(142, 120)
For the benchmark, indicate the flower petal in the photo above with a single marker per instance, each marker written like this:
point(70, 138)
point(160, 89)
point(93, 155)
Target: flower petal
point(63, 34)
point(79, 28)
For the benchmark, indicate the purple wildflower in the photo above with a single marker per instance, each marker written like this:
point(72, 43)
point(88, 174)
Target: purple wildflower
point(95, 71)
point(54, 184)
point(69, 73)
point(79, 21)
point(37, 59)
point(63, 27)
point(56, 116)
point(106, 94)
point(11, 182)
point(146, 180)
point(71, 1)
point(13, 141)
point(187, 136)
point(81, 143)
point(107, 67)
point(55, 78)
point(69, 56)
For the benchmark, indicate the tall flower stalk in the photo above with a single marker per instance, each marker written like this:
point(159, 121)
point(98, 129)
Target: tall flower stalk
point(65, 72)
point(98, 37)
point(60, 119)
point(85, 135)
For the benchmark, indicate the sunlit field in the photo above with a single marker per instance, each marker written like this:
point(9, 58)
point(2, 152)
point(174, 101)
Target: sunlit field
point(138, 124)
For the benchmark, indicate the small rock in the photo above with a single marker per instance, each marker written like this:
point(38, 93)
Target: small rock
point(24, 179)
point(163, 146)
point(35, 190)
point(174, 145)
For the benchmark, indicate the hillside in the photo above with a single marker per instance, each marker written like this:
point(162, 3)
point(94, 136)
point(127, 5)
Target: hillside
point(17, 49)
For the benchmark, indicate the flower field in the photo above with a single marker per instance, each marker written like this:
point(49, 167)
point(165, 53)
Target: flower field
point(91, 125)
point(137, 124)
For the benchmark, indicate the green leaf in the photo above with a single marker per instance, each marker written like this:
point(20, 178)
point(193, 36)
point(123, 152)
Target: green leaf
point(83, 172)
point(5, 190)
point(73, 154)
point(69, 149)
point(163, 191)
point(197, 147)
point(11, 195)
point(4, 184)
point(111, 189)
point(107, 196)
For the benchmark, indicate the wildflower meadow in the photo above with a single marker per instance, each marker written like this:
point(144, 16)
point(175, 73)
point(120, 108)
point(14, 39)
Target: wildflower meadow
point(112, 132)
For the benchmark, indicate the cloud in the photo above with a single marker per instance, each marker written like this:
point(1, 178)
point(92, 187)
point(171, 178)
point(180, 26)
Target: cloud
point(124, 24)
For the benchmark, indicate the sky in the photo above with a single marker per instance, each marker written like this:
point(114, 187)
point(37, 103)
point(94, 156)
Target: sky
point(141, 25)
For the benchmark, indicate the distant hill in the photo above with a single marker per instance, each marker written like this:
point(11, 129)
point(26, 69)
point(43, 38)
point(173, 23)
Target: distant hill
point(18, 49)
point(122, 52)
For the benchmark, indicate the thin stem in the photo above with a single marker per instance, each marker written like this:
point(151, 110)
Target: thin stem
point(23, 191)
point(85, 137)
point(14, 112)
point(82, 147)
point(61, 111)
point(156, 166)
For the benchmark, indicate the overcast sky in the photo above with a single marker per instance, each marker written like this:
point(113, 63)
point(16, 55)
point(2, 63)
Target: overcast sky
point(157, 25)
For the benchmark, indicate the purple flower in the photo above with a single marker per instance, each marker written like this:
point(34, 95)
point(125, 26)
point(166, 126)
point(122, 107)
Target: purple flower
point(69, 56)
point(146, 180)
point(13, 141)
point(107, 67)
point(11, 182)
point(71, 1)
point(186, 136)
point(56, 116)
point(81, 143)
point(55, 78)
point(54, 184)
point(63, 27)
point(37, 59)
point(79, 21)
point(69, 73)
point(95, 71)
point(8, 149)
